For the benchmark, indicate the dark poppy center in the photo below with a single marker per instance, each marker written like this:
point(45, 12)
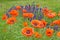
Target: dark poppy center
point(12, 20)
point(28, 31)
point(49, 32)
point(35, 24)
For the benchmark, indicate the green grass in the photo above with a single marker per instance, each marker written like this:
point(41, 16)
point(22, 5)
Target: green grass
point(14, 32)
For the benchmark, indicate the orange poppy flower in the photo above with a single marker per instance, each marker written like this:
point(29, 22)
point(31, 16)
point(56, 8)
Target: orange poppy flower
point(25, 15)
point(51, 15)
point(44, 22)
point(56, 22)
point(14, 13)
point(30, 15)
point(24, 10)
point(59, 13)
point(25, 24)
point(35, 23)
point(58, 34)
point(49, 32)
point(41, 25)
point(18, 7)
point(51, 24)
point(38, 24)
point(45, 11)
point(4, 17)
point(37, 35)
point(27, 31)
point(11, 20)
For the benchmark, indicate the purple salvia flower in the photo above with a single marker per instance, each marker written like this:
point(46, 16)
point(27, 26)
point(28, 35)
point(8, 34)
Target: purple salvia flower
point(7, 15)
point(40, 17)
point(40, 9)
point(41, 14)
point(34, 16)
point(33, 9)
point(10, 9)
point(29, 8)
point(26, 7)
point(55, 27)
point(30, 19)
point(37, 12)
point(37, 8)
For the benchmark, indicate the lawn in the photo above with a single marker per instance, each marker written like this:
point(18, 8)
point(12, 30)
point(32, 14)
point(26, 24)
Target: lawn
point(13, 32)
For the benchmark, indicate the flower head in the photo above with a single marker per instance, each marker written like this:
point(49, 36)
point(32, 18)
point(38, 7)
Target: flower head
point(35, 23)
point(59, 13)
point(30, 15)
point(4, 17)
point(11, 20)
point(24, 10)
point(41, 25)
point(25, 15)
point(58, 34)
point(14, 13)
point(38, 35)
point(56, 22)
point(18, 7)
point(49, 32)
point(25, 24)
point(27, 31)
point(51, 15)
point(45, 11)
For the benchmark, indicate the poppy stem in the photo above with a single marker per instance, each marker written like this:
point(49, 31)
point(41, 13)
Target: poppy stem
point(10, 27)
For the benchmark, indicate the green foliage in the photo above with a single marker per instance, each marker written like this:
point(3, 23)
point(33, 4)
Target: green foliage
point(15, 33)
